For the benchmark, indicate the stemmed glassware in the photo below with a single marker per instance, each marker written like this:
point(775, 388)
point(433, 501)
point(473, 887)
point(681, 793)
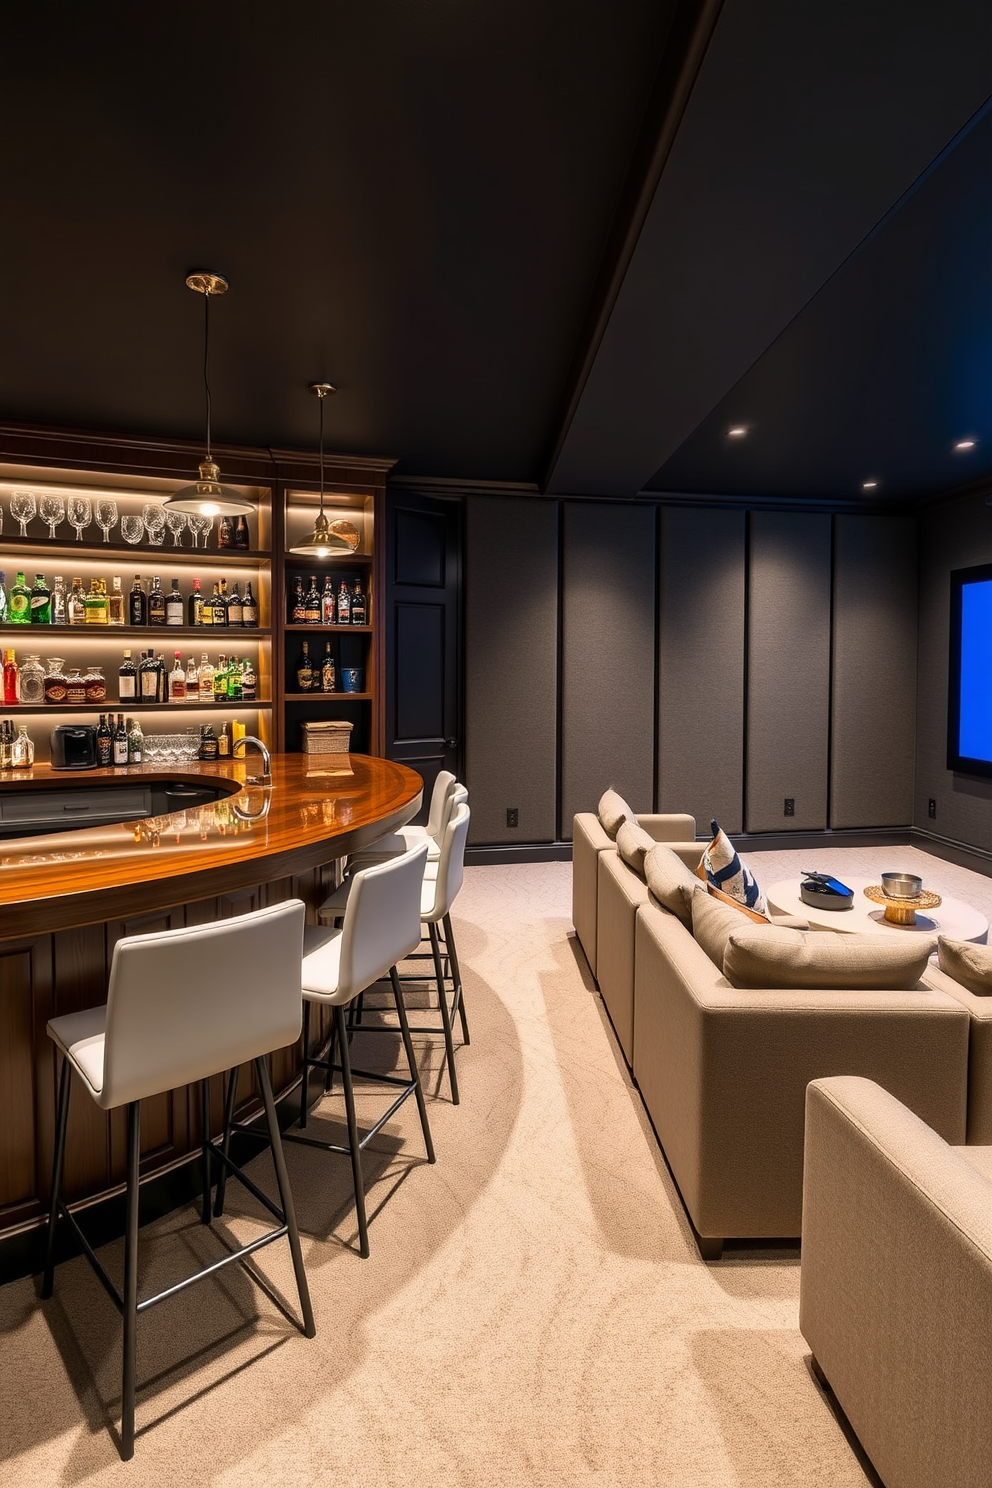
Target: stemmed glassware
point(176, 523)
point(197, 524)
point(80, 514)
point(154, 519)
point(132, 528)
point(52, 511)
point(106, 517)
point(22, 508)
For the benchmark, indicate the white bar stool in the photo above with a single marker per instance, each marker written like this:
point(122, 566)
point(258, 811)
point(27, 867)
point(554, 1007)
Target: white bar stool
point(447, 793)
point(381, 926)
point(183, 1005)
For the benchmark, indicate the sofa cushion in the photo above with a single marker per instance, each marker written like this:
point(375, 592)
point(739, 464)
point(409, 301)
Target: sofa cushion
point(967, 963)
point(632, 845)
point(776, 957)
point(671, 882)
point(713, 923)
point(742, 909)
point(721, 866)
point(613, 811)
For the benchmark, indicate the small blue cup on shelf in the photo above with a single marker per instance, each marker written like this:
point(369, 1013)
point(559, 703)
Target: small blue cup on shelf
point(352, 678)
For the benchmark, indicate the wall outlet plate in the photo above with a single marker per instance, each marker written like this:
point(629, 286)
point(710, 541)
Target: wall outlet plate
point(512, 816)
point(790, 806)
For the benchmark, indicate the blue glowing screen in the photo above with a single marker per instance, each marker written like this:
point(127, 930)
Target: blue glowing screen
point(975, 717)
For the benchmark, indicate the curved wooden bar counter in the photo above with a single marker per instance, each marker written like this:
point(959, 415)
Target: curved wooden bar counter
point(67, 898)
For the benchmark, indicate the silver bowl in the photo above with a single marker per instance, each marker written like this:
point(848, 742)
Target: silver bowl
point(901, 885)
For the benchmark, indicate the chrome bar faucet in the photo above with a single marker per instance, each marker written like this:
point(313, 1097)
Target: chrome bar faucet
point(266, 777)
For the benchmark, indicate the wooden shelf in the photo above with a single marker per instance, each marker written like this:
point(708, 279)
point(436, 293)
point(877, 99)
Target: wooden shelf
point(128, 705)
point(330, 629)
point(300, 561)
point(335, 697)
point(89, 551)
point(120, 632)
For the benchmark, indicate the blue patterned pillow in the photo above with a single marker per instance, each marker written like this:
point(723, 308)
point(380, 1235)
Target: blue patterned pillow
point(721, 866)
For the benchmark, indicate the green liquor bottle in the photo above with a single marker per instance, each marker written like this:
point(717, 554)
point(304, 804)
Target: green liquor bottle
point(20, 603)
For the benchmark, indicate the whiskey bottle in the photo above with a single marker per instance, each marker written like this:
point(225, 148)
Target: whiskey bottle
point(304, 670)
point(41, 601)
point(135, 742)
point(192, 682)
point(76, 604)
point(120, 742)
point(115, 605)
point(137, 603)
point(104, 742)
point(95, 604)
point(206, 680)
point(175, 605)
point(328, 679)
point(20, 603)
point(328, 605)
point(249, 606)
point(312, 603)
point(249, 681)
point(208, 743)
point(127, 679)
point(235, 608)
point(148, 678)
point(225, 534)
point(162, 689)
point(6, 745)
point(298, 606)
point(177, 682)
point(219, 603)
point(58, 600)
point(242, 537)
point(207, 613)
point(224, 743)
point(156, 604)
point(344, 604)
point(194, 605)
point(358, 609)
point(220, 680)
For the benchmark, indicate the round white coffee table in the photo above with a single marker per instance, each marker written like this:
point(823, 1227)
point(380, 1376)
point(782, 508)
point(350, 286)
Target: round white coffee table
point(952, 918)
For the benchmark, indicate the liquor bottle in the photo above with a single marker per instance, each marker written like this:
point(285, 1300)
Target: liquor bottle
point(156, 604)
point(75, 605)
point(137, 603)
point(192, 682)
point(4, 611)
point(344, 604)
point(249, 681)
point(177, 682)
point(207, 613)
point(10, 688)
point(147, 677)
point(242, 537)
point(175, 605)
point(41, 601)
point(235, 607)
point(20, 603)
point(219, 603)
point(328, 676)
point(304, 670)
point(22, 753)
point(225, 535)
point(328, 606)
point(298, 607)
point(127, 679)
point(104, 742)
point(115, 604)
point(194, 605)
point(6, 745)
point(135, 742)
point(58, 600)
point(208, 743)
point(95, 604)
point(224, 743)
point(162, 690)
point(220, 679)
point(234, 680)
point(120, 741)
point(358, 610)
point(249, 606)
point(206, 679)
point(311, 604)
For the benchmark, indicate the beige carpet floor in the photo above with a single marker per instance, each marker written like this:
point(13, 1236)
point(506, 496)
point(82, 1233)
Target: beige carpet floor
point(534, 1311)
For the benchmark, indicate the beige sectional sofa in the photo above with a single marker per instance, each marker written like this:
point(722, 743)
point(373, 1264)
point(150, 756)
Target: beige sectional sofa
point(896, 1286)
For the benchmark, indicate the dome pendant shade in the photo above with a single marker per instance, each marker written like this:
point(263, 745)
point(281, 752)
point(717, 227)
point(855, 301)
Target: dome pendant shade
point(322, 542)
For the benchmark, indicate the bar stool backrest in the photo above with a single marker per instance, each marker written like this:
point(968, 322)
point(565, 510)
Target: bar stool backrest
point(442, 784)
point(184, 1004)
point(381, 920)
point(457, 796)
point(451, 865)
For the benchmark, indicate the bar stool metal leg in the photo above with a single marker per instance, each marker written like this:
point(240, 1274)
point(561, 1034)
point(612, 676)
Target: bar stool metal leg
point(445, 1014)
point(305, 1087)
point(130, 1297)
point(205, 1150)
point(286, 1198)
point(48, 1281)
point(412, 1061)
point(232, 1087)
point(353, 1138)
point(456, 976)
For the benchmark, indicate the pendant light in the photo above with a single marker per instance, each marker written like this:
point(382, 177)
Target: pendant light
point(207, 497)
point(322, 542)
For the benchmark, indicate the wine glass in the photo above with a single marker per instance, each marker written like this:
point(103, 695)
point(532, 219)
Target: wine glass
point(176, 523)
point(52, 511)
point(132, 528)
point(197, 524)
point(154, 519)
point(80, 514)
point(22, 508)
point(106, 516)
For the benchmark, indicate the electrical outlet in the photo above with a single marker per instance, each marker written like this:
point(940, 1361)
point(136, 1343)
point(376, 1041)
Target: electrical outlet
point(790, 805)
point(512, 816)
point(932, 809)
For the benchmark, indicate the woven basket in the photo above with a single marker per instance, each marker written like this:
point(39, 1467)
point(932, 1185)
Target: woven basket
point(326, 738)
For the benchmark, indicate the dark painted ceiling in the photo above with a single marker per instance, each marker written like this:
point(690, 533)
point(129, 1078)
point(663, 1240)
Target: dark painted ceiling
point(537, 241)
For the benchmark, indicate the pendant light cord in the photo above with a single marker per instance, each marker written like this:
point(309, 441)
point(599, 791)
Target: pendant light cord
point(206, 357)
point(320, 400)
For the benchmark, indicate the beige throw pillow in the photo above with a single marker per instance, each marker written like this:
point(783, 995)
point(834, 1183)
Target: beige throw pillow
point(613, 811)
point(777, 957)
point(670, 881)
point(967, 963)
point(713, 923)
point(632, 845)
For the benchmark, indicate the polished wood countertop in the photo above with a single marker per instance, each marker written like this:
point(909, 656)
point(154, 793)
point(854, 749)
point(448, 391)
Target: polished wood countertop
point(317, 807)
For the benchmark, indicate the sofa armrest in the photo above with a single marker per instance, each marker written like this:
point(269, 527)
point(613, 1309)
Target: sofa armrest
point(896, 1284)
point(675, 826)
point(979, 1053)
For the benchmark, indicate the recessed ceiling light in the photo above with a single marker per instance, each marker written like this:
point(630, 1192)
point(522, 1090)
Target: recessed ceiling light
point(869, 485)
point(965, 444)
point(737, 432)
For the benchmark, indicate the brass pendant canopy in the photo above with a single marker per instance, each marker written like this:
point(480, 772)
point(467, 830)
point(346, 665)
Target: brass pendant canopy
point(322, 542)
point(207, 497)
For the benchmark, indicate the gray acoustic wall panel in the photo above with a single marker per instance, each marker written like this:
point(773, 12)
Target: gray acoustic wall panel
point(701, 666)
point(788, 701)
point(608, 655)
point(511, 672)
point(872, 736)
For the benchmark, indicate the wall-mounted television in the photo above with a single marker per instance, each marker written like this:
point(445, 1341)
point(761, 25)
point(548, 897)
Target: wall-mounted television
point(969, 718)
